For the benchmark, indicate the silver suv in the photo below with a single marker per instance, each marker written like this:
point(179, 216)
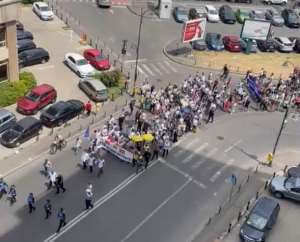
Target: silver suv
point(288, 187)
point(7, 119)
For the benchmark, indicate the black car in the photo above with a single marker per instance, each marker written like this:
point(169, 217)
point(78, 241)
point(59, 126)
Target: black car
point(33, 56)
point(227, 15)
point(290, 18)
point(61, 112)
point(25, 44)
point(266, 45)
point(198, 45)
point(293, 171)
point(260, 220)
point(24, 35)
point(296, 41)
point(20, 26)
point(22, 131)
point(214, 41)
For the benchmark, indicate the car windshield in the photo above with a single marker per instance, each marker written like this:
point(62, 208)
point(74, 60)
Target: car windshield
point(17, 128)
point(244, 13)
point(182, 12)
point(52, 111)
point(32, 96)
point(290, 182)
point(293, 17)
point(82, 62)
point(100, 58)
point(45, 9)
point(212, 11)
point(256, 221)
point(260, 15)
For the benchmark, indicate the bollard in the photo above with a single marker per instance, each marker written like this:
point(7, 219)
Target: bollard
point(122, 68)
point(239, 216)
point(248, 178)
point(101, 50)
point(229, 228)
point(240, 187)
point(220, 209)
point(128, 75)
point(274, 174)
point(257, 195)
point(248, 206)
point(266, 185)
point(112, 97)
point(93, 120)
point(285, 168)
point(115, 62)
point(256, 169)
point(37, 137)
point(78, 117)
point(108, 57)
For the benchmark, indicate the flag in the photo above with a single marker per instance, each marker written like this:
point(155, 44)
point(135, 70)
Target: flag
point(86, 133)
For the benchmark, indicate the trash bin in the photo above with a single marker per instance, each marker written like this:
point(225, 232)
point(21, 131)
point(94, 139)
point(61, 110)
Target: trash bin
point(165, 9)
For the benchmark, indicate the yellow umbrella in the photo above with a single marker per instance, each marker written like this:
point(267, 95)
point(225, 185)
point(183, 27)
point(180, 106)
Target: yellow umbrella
point(137, 138)
point(148, 137)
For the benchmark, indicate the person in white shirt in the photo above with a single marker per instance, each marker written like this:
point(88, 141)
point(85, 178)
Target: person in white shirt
point(91, 161)
point(100, 165)
point(52, 178)
point(84, 159)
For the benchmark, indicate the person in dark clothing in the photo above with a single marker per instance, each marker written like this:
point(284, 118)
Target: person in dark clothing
point(175, 136)
point(59, 184)
point(120, 121)
point(48, 209)
point(62, 220)
point(31, 202)
point(137, 115)
point(131, 106)
point(155, 150)
point(225, 72)
point(147, 156)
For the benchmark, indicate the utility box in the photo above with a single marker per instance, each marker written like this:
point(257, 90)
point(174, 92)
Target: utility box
point(165, 9)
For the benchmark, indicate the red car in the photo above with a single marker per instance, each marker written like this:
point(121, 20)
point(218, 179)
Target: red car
point(232, 43)
point(39, 97)
point(96, 59)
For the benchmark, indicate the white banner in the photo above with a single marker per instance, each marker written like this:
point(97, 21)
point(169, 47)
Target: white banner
point(118, 151)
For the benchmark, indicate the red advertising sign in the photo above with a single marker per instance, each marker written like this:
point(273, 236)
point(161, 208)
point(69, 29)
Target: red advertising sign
point(193, 30)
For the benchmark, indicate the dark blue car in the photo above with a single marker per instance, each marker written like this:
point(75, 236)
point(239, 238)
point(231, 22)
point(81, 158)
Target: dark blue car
point(214, 41)
point(180, 14)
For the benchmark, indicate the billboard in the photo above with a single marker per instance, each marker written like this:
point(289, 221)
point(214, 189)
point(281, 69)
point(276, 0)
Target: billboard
point(193, 30)
point(255, 29)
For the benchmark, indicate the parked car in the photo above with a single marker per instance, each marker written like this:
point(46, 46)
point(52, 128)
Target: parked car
point(294, 172)
point(24, 35)
point(290, 18)
point(79, 65)
point(61, 112)
point(201, 12)
point(241, 15)
point(42, 10)
point(296, 43)
point(257, 15)
point(240, 1)
point(283, 44)
point(25, 44)
point(227, 14)
point(296, 8)
point(19, 26)
point(212, 14)
point(96, 59)
point(288, 187)
point(7, 119)
point(94, 89)
point(20, 132)
point(214, 41)
point(33, 56)
point(198, 45)
point(180, 14)
point(104, 3)
point(39, 97)
point(266, 45)
point(281, 2)
point(275, 18)
point(260, 220)
point(253, 47)
point(232, 43)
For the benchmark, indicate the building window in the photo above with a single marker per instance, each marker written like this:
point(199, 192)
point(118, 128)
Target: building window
point(3, 72)
point(2, 37)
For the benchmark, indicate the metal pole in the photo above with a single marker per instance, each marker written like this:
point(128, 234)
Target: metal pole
point(137, 52)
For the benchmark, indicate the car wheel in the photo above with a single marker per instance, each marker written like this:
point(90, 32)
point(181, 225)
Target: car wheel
point(18, 144)
point(44, 60)
point(278, 194)
point(78, 73)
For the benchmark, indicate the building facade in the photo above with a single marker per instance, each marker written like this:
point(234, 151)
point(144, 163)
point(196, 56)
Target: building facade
point(10, 11)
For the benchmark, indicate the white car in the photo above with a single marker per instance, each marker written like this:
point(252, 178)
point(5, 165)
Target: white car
point(42, 10)
point(79, 65)
point(212, 14)
point(283, 44)
point(282, 2)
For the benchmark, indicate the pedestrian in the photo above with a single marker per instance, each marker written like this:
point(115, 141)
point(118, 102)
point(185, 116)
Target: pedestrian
point(100, 164)
point(62, 219)
point(31, 202)
point(84, 159)
point(52, 178)
point(121, 120)
point(88, 198)
point(12, 195)
point(211, 113)
point(147, 156)
point(225, 72)
point(131, 106)
point(91, 164)
point(48, 208)
point(166, 148)
point(155, 147)
point(47, 167)
point(59, 184)
point(77, 145)
point(88, 108)
point(246, 103)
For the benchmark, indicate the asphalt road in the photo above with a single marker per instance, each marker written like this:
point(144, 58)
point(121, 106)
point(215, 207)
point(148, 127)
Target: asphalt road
point(171, 201)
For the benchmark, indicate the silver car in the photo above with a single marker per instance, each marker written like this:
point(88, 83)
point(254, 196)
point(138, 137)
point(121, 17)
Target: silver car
point(275, 18)
point(288, 187)
point(283, 44)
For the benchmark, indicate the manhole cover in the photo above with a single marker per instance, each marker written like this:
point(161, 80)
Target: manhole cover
point(220, 137)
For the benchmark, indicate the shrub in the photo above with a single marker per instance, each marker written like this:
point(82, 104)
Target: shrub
point(12, 91)
point(110, 78)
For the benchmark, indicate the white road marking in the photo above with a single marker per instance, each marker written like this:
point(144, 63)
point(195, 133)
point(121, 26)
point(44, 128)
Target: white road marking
point(189, 158)
point(219, 172)
point(155, 211)
point(232, 146)
point(170, 66)
point(119, 6)
point(45, 67)
point(155, 69)
point(97, 204)
point(148, 69)
point(184, 149)
point(209, 154)
point(133, 61)
point(165, 67)
point(141, 71)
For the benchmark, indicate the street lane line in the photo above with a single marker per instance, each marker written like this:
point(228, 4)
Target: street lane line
point(208, 155)
point(141, 71)
point(170, 66)
point(97, 204)
point(155, 69)
point(188, 145)
point(165, 67)
point(219, 172)
point(189, 158)
point(155, 211)
point(148, 70)
point(131, 61)
point(232, 146)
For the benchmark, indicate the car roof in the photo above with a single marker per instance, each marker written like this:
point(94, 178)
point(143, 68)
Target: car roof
point(226, 7)
point(257, 11)
point(284, 39)
point(4, 112)
point(24, 41)
point(232, 37)
point(76, 56)
point(59, 105)
point(34, 50)
point(93, 51)
point(97, 84)
point(27, 122)
point(265, 206)
point(210, 7)
point(42, 4)
point(41, 89)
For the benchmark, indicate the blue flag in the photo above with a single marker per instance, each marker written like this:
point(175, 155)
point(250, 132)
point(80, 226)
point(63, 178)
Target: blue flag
point(86, 133)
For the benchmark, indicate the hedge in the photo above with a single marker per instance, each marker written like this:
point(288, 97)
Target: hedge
point(12, 91)
point(110, 78)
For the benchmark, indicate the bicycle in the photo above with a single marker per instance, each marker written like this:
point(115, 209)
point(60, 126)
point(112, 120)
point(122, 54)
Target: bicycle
point(57, 146)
